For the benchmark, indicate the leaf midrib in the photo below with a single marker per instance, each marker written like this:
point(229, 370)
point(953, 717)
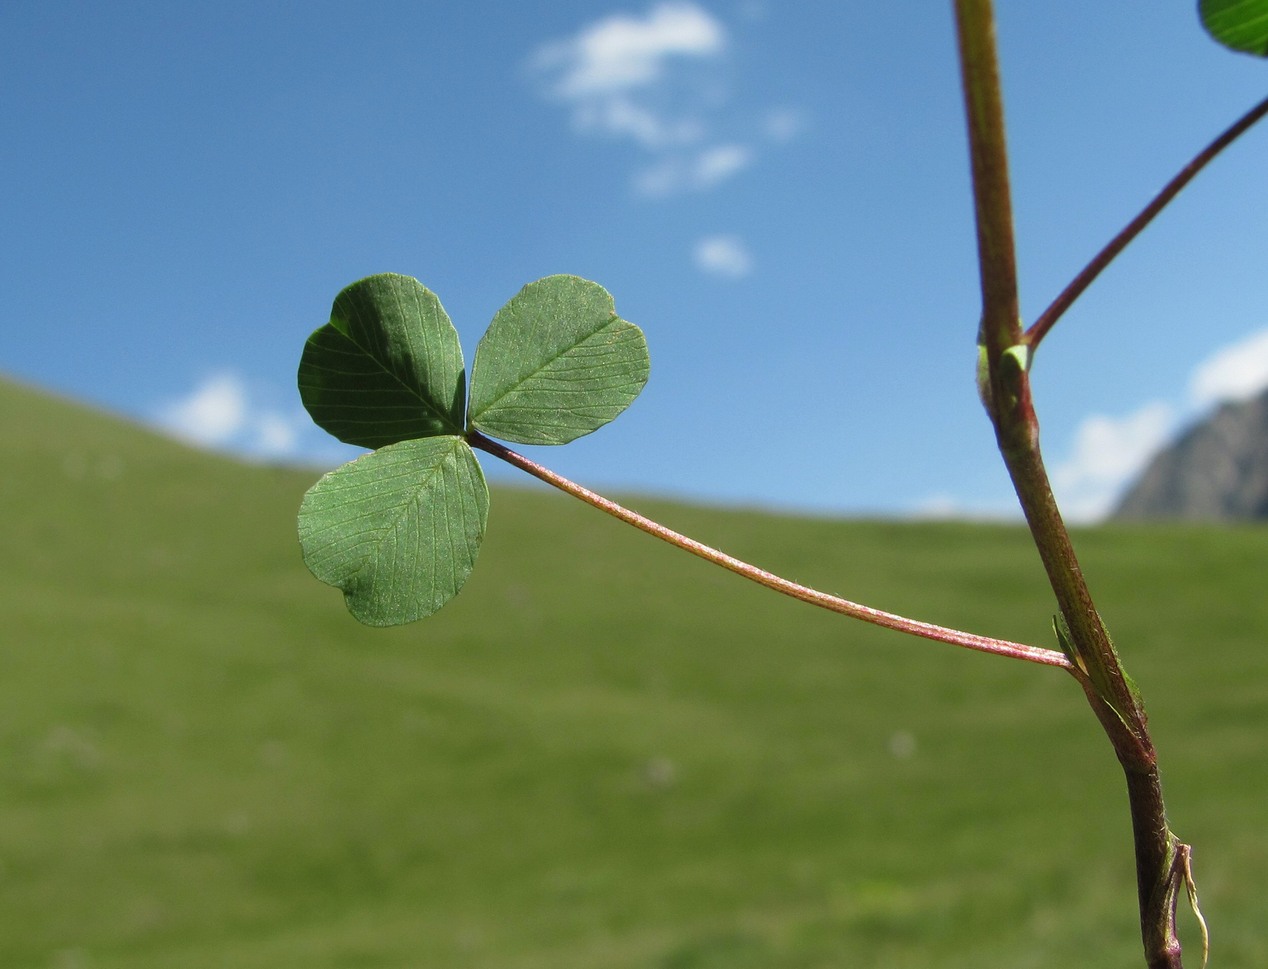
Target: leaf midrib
point(442, 416)
point(516, 387)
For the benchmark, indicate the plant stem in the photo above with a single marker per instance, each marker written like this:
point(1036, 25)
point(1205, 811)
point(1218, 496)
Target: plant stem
point(1006, 392)
point(1001, 315)
point(985, 644)
point(1039, 329)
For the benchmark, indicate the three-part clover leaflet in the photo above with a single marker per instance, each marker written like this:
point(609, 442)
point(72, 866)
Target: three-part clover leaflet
point(398, 529)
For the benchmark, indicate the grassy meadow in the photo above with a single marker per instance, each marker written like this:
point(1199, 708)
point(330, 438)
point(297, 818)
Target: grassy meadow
point(604, 754)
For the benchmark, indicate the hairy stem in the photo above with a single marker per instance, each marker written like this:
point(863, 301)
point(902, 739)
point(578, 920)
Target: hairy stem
point(1005, 387)
point(1039, 329)
point(956, 637)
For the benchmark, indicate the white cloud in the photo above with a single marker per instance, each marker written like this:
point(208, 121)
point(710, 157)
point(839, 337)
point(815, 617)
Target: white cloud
point(720, 163)
point(1108, 453)
point(681, 173)
point(784, 124)
point(275, 434)
point(211, 413)
point(656, 81)
point(723, 255)
point(621, 53)
point(221, 412)
point(1233, 373)
point(664, 178)
point(623, 117)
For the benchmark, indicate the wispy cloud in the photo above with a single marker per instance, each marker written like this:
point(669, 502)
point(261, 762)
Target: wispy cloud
point(1238, 371)
point(657, 81)
point(222, 412)
point(692, 171)
point(212, 413)
point(621, 53)
point(784, 124)
point(1109, 452)
point(720, 162)
point(723, 255)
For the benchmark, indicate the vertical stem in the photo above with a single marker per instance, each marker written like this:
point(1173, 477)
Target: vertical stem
point(1005, 385)
point(988, 152)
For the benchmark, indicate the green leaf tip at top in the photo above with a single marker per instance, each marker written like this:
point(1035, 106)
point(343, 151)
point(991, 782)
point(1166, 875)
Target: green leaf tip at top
point(1241, 25)
point(397, 530)
point(387, 367)
point(556, 363)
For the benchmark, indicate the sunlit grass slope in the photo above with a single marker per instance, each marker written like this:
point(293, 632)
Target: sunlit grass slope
point(603, 754)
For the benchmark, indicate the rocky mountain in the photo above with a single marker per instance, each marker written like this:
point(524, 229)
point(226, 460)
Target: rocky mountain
point(1217, 470)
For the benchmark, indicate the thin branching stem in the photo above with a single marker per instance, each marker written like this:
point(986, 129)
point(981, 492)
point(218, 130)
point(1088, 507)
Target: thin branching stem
point(1006, 390)
point(1039, 329)
point(942, 634)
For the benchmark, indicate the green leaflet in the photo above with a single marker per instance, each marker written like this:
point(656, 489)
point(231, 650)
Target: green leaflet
point(556, 363)
point(387, 367)
point(1241, 25)
point(397, 530)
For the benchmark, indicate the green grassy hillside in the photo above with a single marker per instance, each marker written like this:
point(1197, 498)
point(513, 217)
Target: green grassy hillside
point(604, 753)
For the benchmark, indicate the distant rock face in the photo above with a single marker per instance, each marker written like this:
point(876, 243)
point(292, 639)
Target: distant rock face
point(1217, 470)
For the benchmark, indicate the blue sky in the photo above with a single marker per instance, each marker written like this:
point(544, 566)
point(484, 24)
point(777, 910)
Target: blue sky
point(776, 192)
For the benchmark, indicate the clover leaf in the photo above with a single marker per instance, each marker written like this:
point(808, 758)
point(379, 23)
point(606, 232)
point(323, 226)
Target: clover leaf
point(556, 363)
point(387, 367)
point(1241, 25)
point(398, 530)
